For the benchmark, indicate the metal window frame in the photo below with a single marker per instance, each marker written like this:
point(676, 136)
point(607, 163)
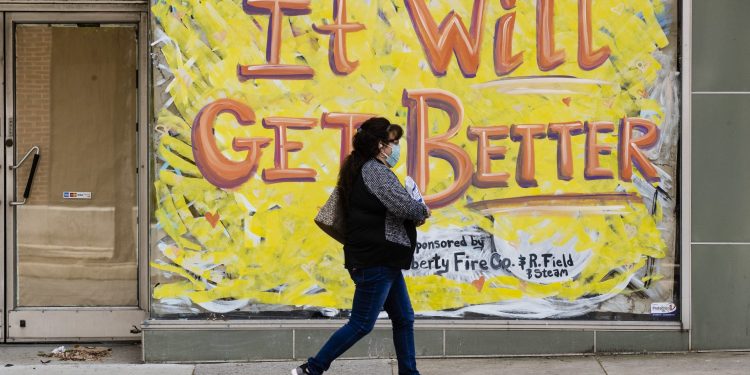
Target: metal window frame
point(65, 317)
point(69, 6)
point(686, 50)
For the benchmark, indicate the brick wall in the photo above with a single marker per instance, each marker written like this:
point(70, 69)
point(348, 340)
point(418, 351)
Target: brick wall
point(33, 59)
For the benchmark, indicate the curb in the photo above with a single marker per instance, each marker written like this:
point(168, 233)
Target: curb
point(124, 369)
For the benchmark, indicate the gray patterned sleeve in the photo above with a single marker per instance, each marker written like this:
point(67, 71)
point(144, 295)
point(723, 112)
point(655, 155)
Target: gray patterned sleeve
point(382, 183)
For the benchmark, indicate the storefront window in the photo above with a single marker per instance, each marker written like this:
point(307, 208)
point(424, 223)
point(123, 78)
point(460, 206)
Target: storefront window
point(544, 136)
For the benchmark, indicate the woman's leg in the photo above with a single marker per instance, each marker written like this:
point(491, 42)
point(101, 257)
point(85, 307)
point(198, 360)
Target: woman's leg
point(372, 286)
point(398, 306)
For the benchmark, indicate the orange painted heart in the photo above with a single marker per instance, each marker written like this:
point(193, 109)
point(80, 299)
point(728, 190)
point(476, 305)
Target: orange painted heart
point(213, 218)
point(478, 283)
point(567, 101)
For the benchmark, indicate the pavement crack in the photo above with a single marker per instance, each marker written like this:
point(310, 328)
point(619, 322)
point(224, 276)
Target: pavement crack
point(601, 365)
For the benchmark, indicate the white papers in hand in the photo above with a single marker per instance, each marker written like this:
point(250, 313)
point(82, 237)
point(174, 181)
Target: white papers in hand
point(413, 190)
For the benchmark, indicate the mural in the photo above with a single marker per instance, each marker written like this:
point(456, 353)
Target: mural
point(542, 133)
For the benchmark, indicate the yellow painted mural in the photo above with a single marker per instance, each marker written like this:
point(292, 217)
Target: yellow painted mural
point(542, 133)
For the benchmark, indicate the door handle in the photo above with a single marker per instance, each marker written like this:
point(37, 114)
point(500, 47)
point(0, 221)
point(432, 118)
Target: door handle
point(34, 164)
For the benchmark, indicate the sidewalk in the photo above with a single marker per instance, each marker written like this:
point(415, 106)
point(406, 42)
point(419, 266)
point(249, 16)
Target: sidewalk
point(125, 359)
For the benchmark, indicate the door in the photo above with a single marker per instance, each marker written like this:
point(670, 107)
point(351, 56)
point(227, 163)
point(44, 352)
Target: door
point(72, 235)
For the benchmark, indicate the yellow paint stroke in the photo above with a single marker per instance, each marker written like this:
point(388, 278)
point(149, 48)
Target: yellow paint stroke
point(266, 238)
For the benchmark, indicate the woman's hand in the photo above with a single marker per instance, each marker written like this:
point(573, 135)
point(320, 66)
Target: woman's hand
point(419, 223)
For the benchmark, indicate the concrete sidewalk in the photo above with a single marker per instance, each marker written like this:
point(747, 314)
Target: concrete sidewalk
point(125, 359)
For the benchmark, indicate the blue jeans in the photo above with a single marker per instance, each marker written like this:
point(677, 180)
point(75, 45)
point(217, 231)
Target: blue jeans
point(376, 288)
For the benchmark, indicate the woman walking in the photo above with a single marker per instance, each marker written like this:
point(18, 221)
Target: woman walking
point(379, 236)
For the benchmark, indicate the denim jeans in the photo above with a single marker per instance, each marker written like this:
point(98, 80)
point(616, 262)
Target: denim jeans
point(376, 288)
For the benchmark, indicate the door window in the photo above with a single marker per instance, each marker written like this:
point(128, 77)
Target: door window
point(76, 235)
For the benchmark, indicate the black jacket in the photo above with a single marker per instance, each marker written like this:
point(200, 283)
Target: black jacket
point(380, 228)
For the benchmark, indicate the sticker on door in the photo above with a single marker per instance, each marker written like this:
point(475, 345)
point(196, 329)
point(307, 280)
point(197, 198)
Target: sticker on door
point(76, 195)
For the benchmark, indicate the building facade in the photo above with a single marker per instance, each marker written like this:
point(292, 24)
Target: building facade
point(166, 159)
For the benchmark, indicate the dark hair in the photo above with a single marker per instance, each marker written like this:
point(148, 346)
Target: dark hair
point(366, 146)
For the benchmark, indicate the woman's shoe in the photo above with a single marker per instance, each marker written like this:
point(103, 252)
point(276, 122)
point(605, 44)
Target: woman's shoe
point(301, 370)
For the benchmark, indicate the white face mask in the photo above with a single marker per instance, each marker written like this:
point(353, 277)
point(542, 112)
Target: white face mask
point(392, 159)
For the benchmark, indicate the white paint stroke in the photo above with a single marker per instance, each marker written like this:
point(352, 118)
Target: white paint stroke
point(573, 209)
point(529, 308)
point(525, 91)
point(224, 306)
point(538, 82)
point(534, 252)
point(180, 305)
point(666, 91)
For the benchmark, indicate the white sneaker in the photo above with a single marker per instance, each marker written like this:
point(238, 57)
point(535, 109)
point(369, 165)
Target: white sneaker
point(301, 370)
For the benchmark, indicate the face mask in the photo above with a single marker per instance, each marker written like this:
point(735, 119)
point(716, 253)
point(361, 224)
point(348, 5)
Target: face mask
point(392, 159)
